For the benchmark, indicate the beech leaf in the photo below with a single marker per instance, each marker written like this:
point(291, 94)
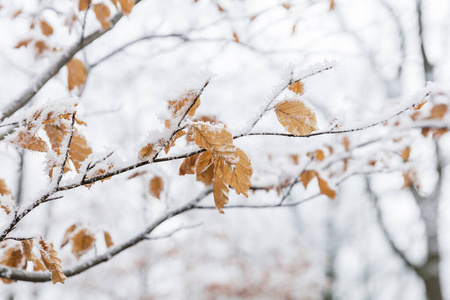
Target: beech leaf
point(156, 186)
point(127, 6)
point(51, 260)
point(77, 73)
point(241, 174)
point(296, 117)
point(108, 239)
point(102, 13)
point(297, 87)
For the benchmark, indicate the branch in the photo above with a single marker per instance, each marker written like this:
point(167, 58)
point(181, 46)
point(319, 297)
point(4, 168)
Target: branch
point(164, 236)
point(55, 67)
point(388, 237)
point(17, 274)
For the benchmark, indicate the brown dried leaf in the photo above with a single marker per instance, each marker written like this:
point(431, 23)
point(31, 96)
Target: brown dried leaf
point(320, 155)
point(346, 143)
point(46, 29)
point(220, 184)
point(178, 107)
point(56, 135)
point(297, 87)
point(172, 141)
point(51, 260)
point(332, 4)
point(296, 117)
point(438, 111)
point(27, 246)
point(79, 149)
point(127, 6)
point(188, 165)
point(307, 176)
point(405, 153)
point(83, 4)
point(287, 6)
point(216, 139)
point(68, 235)
point(28, 141)
point(419, 106)
point(220, 8)
point(4, 191)
point(77, 73)
point(294, 158)
point(40, 47)
point(108, 239)
point(325, 189)
point(102, 13)
point(38, 265)
point(136, 174)
point(205, 167)
point(150, 150)
point(235, 37)
point(156, 186)
point(242, 174)
point(13, 257)
point(17, 13)
point(82, 241)
point(23, 43)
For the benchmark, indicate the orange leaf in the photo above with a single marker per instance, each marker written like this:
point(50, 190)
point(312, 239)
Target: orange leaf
point(77, 73)
point(438, 111)
point(83, 4)
point(296, 117)
point(242, 174)
point(236, 38)
point(82, 241)
point(220, 184)
point(79, 149)
point(102, 13)
point(27, 246)
point(188, 165)
point(108, 239)
point(17, 13)
point(149, 150)
point(205, 167)
point(419, 106)
point(13, 257)
point(127, 6)
point(346, 143)
point(23, 43)
point(405, 153)
point(294, 158)
point(40, 47)
point(180, 106)
point(68, 235)
point(297, 87)
point(28, 141)
point(286, 6)
point(156, 186)
point(320, 155)
point(213, 138)
point(46, 29)
point(332, 4)
point(307, 176)
point(325, 189)
point(172, 141)
point(51, 260)
point(4, 191)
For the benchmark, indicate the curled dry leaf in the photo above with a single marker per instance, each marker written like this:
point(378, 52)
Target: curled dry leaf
point(150, 150)
point(83, 4)
point(438, 111)
point(235, 37)
point(156, 186)
point(108, 239)
point(127, 6)
point(77, 73)
point(83, 240)
point(13, 257)
point(188, 165)
point(27, 246)
point(296, 117)
point(213, 138)
point(102, 13)
point(23, 43)
point(205, 168)
point(51, 260)
point(29, 141)
point(241, 174)
point(405, 153)
point(220, 184)
point(172, 141)
point(46, 29)
point(40, 46)
point(308, 175)
point(297, 87)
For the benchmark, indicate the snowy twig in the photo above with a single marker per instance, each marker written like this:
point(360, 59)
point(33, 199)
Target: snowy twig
point(17, 274)
point(169, 234)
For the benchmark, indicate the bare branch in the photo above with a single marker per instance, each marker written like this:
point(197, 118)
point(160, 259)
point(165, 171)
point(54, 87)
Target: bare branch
point(17, 274)
point(166, 235)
